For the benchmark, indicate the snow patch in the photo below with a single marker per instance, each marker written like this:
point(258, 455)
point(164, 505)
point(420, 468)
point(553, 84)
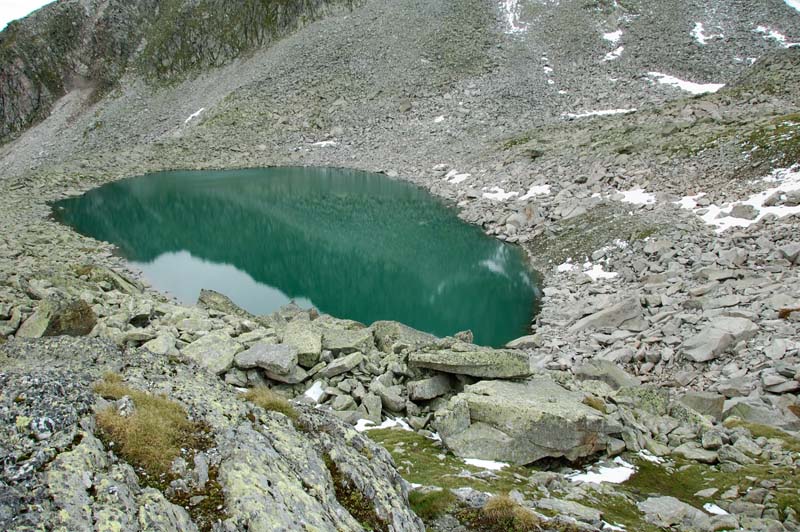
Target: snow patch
point(647, 455)
point(315, 392)
point(612, 474)
point(614, 528)
point(699, 34)
point(485, 464)
point(454, 178)
point(498, 194)
point(194, 115)
point(616, 54)
point(325, 143)
point(713, 509)
point(366, 424)
point(511, 15)
point(596, 272)
point(637, 196)
point(536, 190)
point(604, 112)
point(613, 37)
point(688, 86)
point(793, 4)
point(566, 266)
point(775, 36)
point(439, 119)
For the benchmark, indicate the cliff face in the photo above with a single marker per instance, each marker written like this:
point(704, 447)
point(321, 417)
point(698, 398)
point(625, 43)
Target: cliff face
point(90, 44)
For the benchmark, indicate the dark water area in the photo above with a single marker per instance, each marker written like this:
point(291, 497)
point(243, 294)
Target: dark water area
point(352, 244)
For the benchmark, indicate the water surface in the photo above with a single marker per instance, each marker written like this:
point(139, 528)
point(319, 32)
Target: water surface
point(352, 244)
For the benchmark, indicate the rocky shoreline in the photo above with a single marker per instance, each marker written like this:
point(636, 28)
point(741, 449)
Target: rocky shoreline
point(667, 338)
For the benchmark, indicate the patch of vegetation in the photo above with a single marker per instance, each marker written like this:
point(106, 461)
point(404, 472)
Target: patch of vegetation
point(351, 498)
point(152, 437)
point(432, 504)
point(271, 401)
point(512, 142)
point(788, 441)
point(423, 461)
point(776, 143)
point(504, 514)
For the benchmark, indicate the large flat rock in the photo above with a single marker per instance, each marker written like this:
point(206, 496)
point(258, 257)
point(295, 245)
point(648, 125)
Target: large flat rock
point(487, 363)
point(214, 351)
point(522, 422)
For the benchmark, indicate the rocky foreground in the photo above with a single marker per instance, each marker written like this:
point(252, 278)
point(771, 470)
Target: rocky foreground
point(665, 355)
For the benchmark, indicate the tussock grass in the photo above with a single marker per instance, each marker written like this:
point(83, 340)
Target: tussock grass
point(272, 401)
point(150, 438)
point(432, 504)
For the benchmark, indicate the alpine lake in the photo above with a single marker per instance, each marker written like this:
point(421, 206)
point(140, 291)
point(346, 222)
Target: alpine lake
point(352, 244)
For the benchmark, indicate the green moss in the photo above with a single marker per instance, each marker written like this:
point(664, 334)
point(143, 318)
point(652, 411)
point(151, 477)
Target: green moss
point(788, 442)
point(353, 500)
point(430, 505)
point(423, 461)
point(776, 143)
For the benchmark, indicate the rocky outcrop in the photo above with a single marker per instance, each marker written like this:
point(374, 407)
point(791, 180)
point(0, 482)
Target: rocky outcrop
point(463, 359)
point(272, 474)
point(522, 422)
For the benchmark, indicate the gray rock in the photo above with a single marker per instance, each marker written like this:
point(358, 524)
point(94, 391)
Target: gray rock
point(487, 363)
point(627, 312)
point(670, 512)
point(572, 509)
point(706, 403)
point(791, 252)
point(692, 451)
point(163, 344)
point(720, 334)
point(391, 396)
point(531, 341)
point(427, 389)
point(277, 359)
point(746, 212)
point(214, 351)
point(523, 422)
point(295, 376)
point(348, 341)
point(605, 371)
point(342, 365)
point(306, 340)
point(57, 317)
point(343, 402)
point(391, 336)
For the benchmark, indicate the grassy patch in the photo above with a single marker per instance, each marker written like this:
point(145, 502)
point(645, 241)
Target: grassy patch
point(789, 442)
point(353, 500)
point(503, 514)
point(423, 461)
point(271, 401)
point(152, 437)
point(432, 504)
point(776, 143)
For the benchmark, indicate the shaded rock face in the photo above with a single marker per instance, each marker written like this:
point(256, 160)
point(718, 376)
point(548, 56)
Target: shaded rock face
point(56, 317)
point(522, 422)
point(474, 361)
point(272, 474)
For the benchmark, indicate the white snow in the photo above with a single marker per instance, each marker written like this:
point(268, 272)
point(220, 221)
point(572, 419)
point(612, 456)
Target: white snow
point(604, 112)
point(699, 34)
point(548, 70)
point(616, 54)
point(614, 475)
point(793, 3)
point(689, 202)
point(454, 178)
point(638, 196)
point(613, 37)
point(596, 272)
point(536, 190)
point(688, 86)
point(614, 528)
point(787, 179)
point(325, 143)
point(315, 392)
point(647, 455)
point(565, 267)
point(775, 36)
point(714, 509)
point(194, 115)
point(366, 424)
point(511, 14)
point(498, 194)
point(439, 119)
point(485, 464)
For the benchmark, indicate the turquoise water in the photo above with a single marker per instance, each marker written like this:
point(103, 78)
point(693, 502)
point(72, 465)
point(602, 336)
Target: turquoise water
point(352, 244)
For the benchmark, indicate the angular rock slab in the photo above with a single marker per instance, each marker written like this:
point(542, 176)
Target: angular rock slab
point(487, 363)
point(522, 423)
point(625, 314)
point(391, 336)
point(671, 512)
point(214, 351)
point(717, 337)
point(280, 359)
point(304, 337)
point(55, 317)
point(348, 341)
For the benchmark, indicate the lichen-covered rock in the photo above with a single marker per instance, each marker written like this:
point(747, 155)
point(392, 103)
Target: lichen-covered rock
point(305, 339)
point(487, 363)
point(391, 336)
point(56, 317)
point(215, 351)
point(348, 341)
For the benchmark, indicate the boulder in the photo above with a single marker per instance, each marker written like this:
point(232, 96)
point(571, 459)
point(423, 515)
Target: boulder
point(486, 363)
point(605, 371)
point(306, 340)
point(348, 341)
point(392, 337)
point(627, 313)
point(277, 359)
point(531, 341)
point(59, 317)
point(706, 403)
point(668, 512)
point(427, 389)
point(214, 351)
point(717, 337)
point(522, 422)
point(342, 365)
point(212, 300)
point(163, 344)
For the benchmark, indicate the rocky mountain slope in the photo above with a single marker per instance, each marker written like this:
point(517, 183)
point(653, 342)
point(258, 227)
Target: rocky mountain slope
point(645, 154)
